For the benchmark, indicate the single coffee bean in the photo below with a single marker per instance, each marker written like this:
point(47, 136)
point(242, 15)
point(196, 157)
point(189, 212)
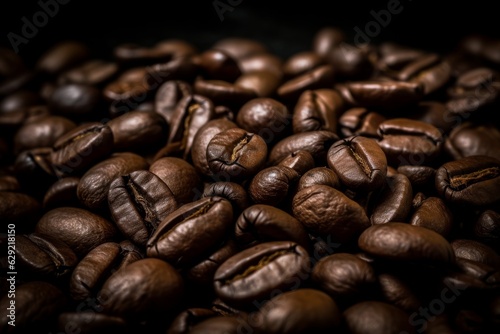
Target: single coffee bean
point(409, 142)
point(383, 94)
point(42, 132)
point(231, 191)
point(319, 176)
point(359, 163)
point(419, 176)
point(184, 235)
point(432, 213)
point(62, 56)
point(300, 311)
point(487, 228)
point(254, 273)
point(300, 161)
point(179, 68)
point(187, 319)
point(472, 180)
point(317, 110)
point(328, 212)
point(94, 184)
point(301, 63)
point(417, 65)
point(223, 92)
point(397, 291)
point(145, 289)
point(239, 47)
point(237, 153)
point(191, 113)
point(266, 117)
point(90, 322)
point(476, 251)
point(138, 130)
point(81, 148)
point(320, 77)
point(43, 256)
point(327, 39)
point(471, 139)
point(37, 306)
point(344, 276)
point(168, 95)
point(360, 122)
point(20, 209)
point(434, 78)
point(93, 72)
point(179, 176)
point(272, 185)
point(217, 65)
point(394, 57)
point(262, 62)
point(263, 223)
point(75, 100)
point(315, 142)
point(351, 62)
point(138, 202)
point(262, 83)
point(19, 100)
point(62, 193)
point(80, 229)
point(376, 317)
point(404, 242)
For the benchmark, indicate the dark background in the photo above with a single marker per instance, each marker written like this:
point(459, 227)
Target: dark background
point(284, 26)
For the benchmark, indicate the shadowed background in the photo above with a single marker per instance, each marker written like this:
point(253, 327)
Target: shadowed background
point(283, 26)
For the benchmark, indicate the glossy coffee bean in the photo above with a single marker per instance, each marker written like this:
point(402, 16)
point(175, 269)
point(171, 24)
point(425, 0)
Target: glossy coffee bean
point(317, 110)
point(328, 212)
point(432, 213)
point(262, 83)
point(272, 185)
point(262, 62)
point(300, 311)
point(239, 47)
point(254, 273)
point(168, 95)
point(404, 242)
point(487, 228)
point(217, 64)
point(399, 292)
point(75, 100)
point(231, 191)
point(327, 39)
point(62, 193)
point(301, 161)
point(94, 184)
point(218, 324)
point(184, 236)
point(473, 139)
point(262, 223)
point(320, 77)
point(138, 202)
point(142, 290)
point(93, 72)
point(359, 163)
point(237, 153)
point(80, 229)
point(81, 148)
point(351, 62)
point(223, 92)
point(475, 251)
point(62, 56)
point(319, 176)
point(301, 63)
point(409, 142)
point(91, 322)
point(419, 176)
point(19, 100)
point(473, 180)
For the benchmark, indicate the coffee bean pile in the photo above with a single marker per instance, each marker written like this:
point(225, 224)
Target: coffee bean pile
point(167, 189)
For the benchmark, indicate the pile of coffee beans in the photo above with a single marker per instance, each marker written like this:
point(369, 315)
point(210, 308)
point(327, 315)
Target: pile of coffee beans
point(167, 189)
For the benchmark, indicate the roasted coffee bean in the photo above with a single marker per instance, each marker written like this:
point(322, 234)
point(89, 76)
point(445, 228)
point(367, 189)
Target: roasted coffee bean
point(236, 153)
point(180, 68)
point(191, 113)
point(223, 92)
point(43, 256)
point(344, 276)
point(476, 251)
point(142, 290)
point(359, 162)
point(264, 116)
point(90, 322)
point(473, 139)
point(80, 229)
point(272, 185)
point(62, 193)
point(96, 267)
point(262, 223)
point(320, 77)
point(94, 184)
point(299, 311)
point(81, 148)
point(376, 317)
point(404, 242)
point(184, 235)
point(75, 100)
point(351, 62)
point(231, 191)
point(254, 273)
point(180, 177)
point(432, 213)
point(168, 95)
point(394, 57)
point(319, 176)
point(301, 63)
point(19, 100)
point(239, 47)
point(409, 142)
point(487, 228)
point(360, 122)
point(218, 65)
point(19, 209)
point(419, 176)
point(9, 183)
point(384, 94)
point(138, 131)
point(37, 305)
point(262, 62)
point(300, 161)
point(315, 142)
point(62, 56)
point(472, 180)
point(317, 110)
point(262, 83)
point(399, 292)
point(138, 202)
point(42, 132)
point(328, 212)
point(92, 72)
point(327, 39)
point(184, 321)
